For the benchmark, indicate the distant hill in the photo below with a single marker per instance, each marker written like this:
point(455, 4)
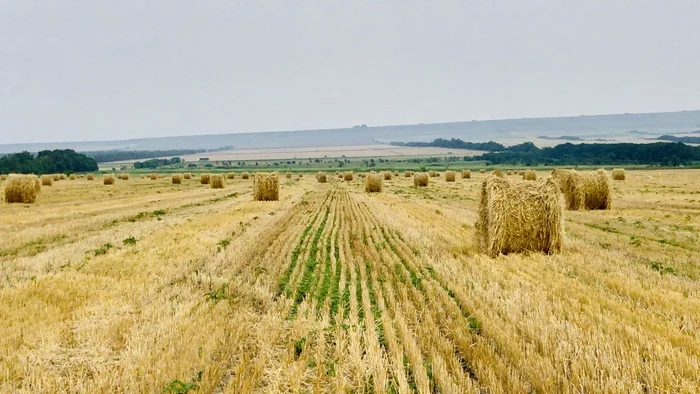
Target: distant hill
point(599, 126)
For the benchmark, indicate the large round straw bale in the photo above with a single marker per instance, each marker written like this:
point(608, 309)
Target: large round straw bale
point(22, 189)
point(420, 179)
point(374, 183)
point(348, 176)
point(618, 174)
point(497, 173)
point(584, 190)
point(46, 180)
point(321, 177)
point(108, 179)
point(450, 176)
point(187, 175)
point(245, 175)
point(90, 177)
point(466, 174)
point(204, 179)
point(288, 175)
point(519, 216)
point(529, 175)
point(266, 186)
point(387, 175)
point(176, 179)
point(218, 181)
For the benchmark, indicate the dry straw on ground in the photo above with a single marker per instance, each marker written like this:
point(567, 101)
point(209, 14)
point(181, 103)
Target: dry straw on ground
point(176, 179)
point(374, 183)
point(245, 175)
point(46, 180)
point(90, 177)
point(420, 179)
point(218, 181)
point(230, 175)
point(466, 174)
point(321, 177)
point(204, 179)
point(387, 175)
point(450, 176)
point(22, 188)
point(519, 216)
point(108, 179)
point(529, 175)
point(584, 190)
point(266, 186)
point(497, 173)
point(618, 174)
point(348, 176)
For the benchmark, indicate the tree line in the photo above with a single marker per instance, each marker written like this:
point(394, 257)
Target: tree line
point(455, 143)
point(123, 155)
point(65, 161)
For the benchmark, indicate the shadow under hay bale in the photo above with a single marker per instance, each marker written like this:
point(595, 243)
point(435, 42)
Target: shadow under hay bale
point(618, 174)
point(584, 190)
point(23, 189)
point(529, 175)
point(420, 179)
point(266, 186)
point(516, 216)
point(374, 183)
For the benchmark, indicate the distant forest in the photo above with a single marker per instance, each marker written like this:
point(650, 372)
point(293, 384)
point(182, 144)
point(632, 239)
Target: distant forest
point(47, 162)
point(686, 140)
point(658, 153)
point(123, 155)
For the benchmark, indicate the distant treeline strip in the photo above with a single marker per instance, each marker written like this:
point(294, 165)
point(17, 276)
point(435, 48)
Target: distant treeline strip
point(456, 144)
point(684, 139)
point(47, 162)
point(122, 155)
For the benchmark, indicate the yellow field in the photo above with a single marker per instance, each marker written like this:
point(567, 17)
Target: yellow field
point(151, 287)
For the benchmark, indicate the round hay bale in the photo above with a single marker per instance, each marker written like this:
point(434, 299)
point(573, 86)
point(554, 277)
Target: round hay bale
point(396, 173)
point(230, 175)
point(509, 172)
point(46, 180)
point(433, 174)
point(420, 179)
point(187, 176)
point(584, 190)
point(73, 177)
point(466, 174)
point(245, 175)
point(518, 216)
point(153, 176)
point(288, 175)
point(374, 183)
point(482, 171)
point(321, 177)
point(217, 181)
point(387, 175)
point(450, 176)
point(266, 186)
point(407, 174)
point(618, 174)
point(125, 177)
point(3, 177)
point(529, 175)
point(348, 176)
point(497, 173)
point(56, 177)
point(62, 177)
point(23, 189)
point(108, 179)
point(204, 179)
point(176, 179)
point(90, 177)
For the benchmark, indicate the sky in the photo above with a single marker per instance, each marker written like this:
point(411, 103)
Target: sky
point(74, 70)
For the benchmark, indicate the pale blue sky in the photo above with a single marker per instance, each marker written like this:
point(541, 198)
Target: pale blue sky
point(104, 70)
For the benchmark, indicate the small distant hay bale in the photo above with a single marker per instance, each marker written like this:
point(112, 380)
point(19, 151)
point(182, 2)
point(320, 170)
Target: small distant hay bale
point(218, 181)
point(529, 175)
point(466, 174)
point(516, 216)
point(230, 175)
point(90, 177)
point(301, 176)
point(204, 179)
point(509, 172)
point(266, 186)
point(420, 179)
point(56, 177)
point(73, 177)
point(62, 177)
point(187, 175)
point(46, 180)
point(450, 176)
point(245, 175)
point(618, 174)
point(521, 172)
point(348, 176)
point(387, 175)
point(22, 189)
point(3, 177)
point(125, 177)
point(108, 179)
point(482, 170)
point(288, 175)
point(585, 190)
point(153, 176)
point(321, 177)
point(407, 174)
point(433, 174)
point(374, 183)
point(176, 179)
point(497, 173)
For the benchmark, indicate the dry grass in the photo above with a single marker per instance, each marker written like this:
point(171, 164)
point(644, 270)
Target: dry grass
point(585, 190)
point(519, 216)
point(374, 183)
point(321, 177)
point(204, 179)
point(466, 174)
point(218, 181)
point(450, 176)
point(618, 174)
point(176, 179)
point(420, 179)
point(46, 180)
point(266, 186)
point(529, 175)
point(22, 189)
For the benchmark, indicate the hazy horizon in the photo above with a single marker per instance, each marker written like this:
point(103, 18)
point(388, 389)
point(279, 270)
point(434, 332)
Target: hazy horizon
point(83, 71)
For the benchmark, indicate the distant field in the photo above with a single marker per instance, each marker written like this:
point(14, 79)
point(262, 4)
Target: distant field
point(150, 287)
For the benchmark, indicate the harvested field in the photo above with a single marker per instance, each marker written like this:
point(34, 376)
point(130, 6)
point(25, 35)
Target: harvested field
point(147, 286)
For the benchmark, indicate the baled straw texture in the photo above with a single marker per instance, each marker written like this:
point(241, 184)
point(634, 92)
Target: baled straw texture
point(321, 177)
point(585, 190)
point(618, 174)
point(176, 179)
point(420, 179)
point(108, 179)
point(47, 180)
point(529, 175)
point(204, 179)
point(218, 181)
point(374, 183)
point(22, 189)
point(348, 176)
point(450, 176)
point(466, 174)
point(266, 186)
